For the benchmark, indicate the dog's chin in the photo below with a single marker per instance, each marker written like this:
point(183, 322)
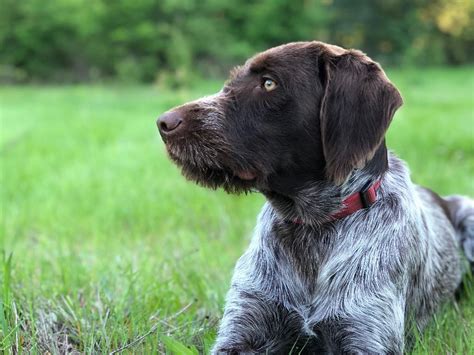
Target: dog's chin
point(215, 177)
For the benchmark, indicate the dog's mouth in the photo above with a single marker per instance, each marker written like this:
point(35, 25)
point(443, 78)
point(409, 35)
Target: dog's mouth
point(246, 175)
point(210, 169)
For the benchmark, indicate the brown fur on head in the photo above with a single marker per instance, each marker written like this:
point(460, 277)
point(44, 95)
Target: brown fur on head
point(326, 117)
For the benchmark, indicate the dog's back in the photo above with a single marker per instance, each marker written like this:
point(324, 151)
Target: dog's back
point(461, 213)
point(448, 230)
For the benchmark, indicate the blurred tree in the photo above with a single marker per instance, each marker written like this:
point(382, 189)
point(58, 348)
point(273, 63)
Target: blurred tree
point(171, 40)
point(454, 22)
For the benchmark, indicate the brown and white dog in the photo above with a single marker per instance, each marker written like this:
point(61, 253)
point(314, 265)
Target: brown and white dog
point(348, 254)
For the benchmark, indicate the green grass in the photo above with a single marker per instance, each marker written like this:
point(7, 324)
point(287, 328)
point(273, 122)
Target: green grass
point(103, 243)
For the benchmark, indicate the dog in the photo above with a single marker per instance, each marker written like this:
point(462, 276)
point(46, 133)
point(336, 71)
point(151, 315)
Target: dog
point(348, 255)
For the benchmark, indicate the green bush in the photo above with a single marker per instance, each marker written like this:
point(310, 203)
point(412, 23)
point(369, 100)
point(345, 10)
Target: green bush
point(168, 40)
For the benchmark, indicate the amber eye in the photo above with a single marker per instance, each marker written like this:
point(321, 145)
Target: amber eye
point(269, 84)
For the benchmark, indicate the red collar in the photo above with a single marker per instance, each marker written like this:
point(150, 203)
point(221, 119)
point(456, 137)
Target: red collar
point(355, 202)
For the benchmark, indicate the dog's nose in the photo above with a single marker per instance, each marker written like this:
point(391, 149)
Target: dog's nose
point(170, 122)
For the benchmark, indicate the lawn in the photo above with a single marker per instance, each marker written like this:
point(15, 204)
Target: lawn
point(105, 245)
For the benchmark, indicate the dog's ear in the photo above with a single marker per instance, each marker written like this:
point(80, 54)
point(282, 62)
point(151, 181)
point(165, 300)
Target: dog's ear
point(358, 104)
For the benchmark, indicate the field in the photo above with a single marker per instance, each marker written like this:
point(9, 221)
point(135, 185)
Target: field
point(105, 246)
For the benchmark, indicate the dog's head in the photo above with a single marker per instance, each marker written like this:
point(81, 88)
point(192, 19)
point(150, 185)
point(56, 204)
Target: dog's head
point(296, 113)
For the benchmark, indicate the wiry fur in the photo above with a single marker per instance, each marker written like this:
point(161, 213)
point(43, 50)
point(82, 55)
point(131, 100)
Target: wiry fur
point(353, 285)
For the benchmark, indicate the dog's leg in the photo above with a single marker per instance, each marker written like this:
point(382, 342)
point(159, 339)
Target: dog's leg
point(461, 210)
point(253, 324)
point(373, 325)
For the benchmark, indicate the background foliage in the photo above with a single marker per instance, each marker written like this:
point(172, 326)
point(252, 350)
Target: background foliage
point(171, 40)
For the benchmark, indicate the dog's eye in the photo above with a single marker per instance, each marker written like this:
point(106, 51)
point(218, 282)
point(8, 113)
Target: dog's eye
point(269, 84)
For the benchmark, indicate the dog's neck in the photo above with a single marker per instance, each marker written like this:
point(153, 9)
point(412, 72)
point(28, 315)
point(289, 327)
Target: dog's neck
point(314, 203)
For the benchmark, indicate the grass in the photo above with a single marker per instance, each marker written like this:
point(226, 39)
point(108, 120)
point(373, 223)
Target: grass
point(104, 245)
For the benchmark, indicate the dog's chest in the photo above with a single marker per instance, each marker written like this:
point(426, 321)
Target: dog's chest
point(289, 263)
point(297, 265)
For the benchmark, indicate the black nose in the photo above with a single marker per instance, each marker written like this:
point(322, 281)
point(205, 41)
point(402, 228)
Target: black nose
point(170, 122)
